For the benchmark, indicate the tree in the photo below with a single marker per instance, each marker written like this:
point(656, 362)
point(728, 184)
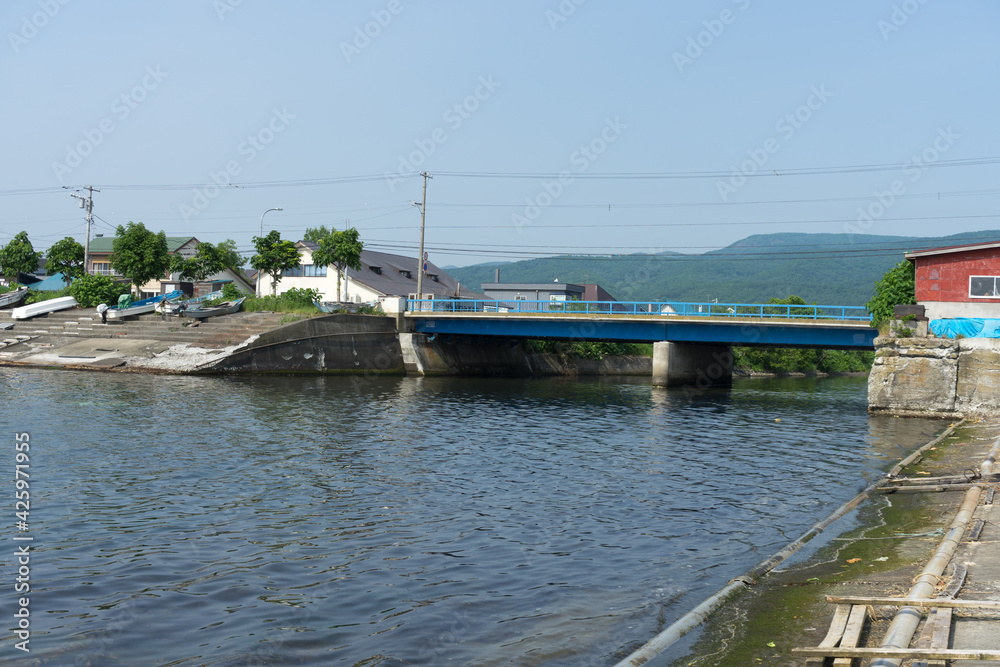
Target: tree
point(18, 256)
point(274, 256)
point(91, 290)
point(139, 254)
point(209, 260)
point(66, 257)
point(316, 234)
point(896, 287)
point(341, 250)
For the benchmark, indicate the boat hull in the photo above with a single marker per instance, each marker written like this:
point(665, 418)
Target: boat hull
point(9, 299)
point(212, 311)
point(43, 307)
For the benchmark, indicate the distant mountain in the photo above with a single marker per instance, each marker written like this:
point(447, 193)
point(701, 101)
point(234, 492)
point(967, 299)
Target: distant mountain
point(834, 269)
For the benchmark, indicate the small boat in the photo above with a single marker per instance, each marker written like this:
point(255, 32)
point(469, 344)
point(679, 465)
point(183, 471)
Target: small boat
point(224, 308)
point(13, 297)
point(43, 307)
point(142, 307)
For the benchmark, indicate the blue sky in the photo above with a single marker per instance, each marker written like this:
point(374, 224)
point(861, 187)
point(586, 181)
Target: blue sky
point(574, 126)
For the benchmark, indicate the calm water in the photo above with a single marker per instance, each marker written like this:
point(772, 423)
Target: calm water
point(403, 521)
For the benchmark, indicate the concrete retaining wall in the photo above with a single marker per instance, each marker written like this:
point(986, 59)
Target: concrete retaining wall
point(330, 344)
point(935, 377)
point(365, 345)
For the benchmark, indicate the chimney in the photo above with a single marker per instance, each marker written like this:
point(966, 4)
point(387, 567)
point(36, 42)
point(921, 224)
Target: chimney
point(497, 277)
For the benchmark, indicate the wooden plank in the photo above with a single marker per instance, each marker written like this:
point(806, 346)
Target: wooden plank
point(942, 634)
point(938, 626)
point(855, 624)
point(977, 530)
point(923, 603)
point(926, 653)
point(836, 631)
point(958, 576)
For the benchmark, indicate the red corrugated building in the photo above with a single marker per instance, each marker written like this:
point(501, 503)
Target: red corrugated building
point(958, 281)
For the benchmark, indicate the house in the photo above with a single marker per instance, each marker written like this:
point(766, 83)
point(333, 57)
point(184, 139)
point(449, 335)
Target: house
point(958, 281)
point(381, 275)
point(185, 246)
point(554, 291)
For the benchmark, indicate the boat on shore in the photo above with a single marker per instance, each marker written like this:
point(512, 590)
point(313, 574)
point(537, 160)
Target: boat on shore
point(43, 307)
point(142, 307)
point(224, 308)
point(13, 297)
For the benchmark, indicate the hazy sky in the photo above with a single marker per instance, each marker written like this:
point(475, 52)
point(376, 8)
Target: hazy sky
point(576, 126)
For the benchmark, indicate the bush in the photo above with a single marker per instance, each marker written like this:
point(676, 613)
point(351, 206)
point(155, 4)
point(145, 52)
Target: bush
point(297, 296)
point(796, 360)
point(588, 349)
point(90, 291)
point(231, 292)
point(297, 303)
point(896, 287)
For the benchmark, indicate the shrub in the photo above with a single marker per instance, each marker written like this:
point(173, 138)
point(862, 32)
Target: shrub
point(298, 296)
point(90, 291)
point(894, 288)
point(231, 292)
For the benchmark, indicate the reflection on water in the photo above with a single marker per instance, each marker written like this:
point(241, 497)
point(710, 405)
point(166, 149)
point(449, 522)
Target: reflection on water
point(412, 521)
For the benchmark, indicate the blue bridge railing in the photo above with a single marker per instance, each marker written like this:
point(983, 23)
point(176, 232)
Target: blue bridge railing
point(708, 309)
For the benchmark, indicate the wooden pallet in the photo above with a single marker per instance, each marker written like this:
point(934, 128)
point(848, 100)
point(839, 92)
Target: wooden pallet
point(841, 641)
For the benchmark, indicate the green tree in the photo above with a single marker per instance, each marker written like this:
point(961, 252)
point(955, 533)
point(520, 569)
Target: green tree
point(341, 250)
point(18, 256)
point(66, 257)
point(896, 287)
point(91, 290)
point(274, 256)
point(316, 234)
point(209, 260)
point(139, 254)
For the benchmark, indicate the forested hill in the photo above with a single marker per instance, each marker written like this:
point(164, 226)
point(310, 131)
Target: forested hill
point(836, 269)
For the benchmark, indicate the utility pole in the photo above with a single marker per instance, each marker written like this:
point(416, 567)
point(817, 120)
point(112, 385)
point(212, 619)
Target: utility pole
point(87, 203)
point(421, 260)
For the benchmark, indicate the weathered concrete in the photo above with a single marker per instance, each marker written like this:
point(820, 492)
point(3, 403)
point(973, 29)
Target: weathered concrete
point(687, 364)
point(914, 376)
point(327, 344)
point(935, 377)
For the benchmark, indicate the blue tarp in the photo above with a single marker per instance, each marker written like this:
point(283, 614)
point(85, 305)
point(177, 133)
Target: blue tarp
point(968, 327)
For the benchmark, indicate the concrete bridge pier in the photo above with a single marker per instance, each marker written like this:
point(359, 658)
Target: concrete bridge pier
point(692, 364)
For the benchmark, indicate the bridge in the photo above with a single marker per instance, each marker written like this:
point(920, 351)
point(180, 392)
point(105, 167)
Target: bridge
point(691, 341)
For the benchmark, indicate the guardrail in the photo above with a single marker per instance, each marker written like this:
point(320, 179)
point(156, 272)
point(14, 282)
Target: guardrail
point(707, 309)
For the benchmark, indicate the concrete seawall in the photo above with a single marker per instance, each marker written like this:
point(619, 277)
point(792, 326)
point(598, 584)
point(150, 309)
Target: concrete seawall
point(936, 377)
point(259, 343)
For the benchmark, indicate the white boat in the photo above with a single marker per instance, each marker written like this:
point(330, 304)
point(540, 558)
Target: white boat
point(43, 307)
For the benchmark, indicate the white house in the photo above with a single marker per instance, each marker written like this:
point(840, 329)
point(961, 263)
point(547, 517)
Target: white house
point(381, 275)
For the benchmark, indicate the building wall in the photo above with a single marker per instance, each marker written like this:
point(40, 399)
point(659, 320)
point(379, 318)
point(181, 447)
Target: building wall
point(942, 283)
point(327, 285)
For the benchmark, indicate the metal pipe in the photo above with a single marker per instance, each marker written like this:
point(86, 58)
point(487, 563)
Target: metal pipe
point(904, 624)
point(697, 616)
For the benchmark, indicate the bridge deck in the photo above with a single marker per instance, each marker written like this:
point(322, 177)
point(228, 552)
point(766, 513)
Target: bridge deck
point(727, 329)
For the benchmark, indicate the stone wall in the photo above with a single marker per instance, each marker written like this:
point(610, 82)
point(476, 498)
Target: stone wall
point(935, 377)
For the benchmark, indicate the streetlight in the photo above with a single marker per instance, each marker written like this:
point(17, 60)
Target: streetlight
point(262, 235)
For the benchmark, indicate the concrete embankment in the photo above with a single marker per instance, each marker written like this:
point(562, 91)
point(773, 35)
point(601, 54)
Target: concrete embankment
point(940, 377)
point(257, 343)
point(894, 540)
